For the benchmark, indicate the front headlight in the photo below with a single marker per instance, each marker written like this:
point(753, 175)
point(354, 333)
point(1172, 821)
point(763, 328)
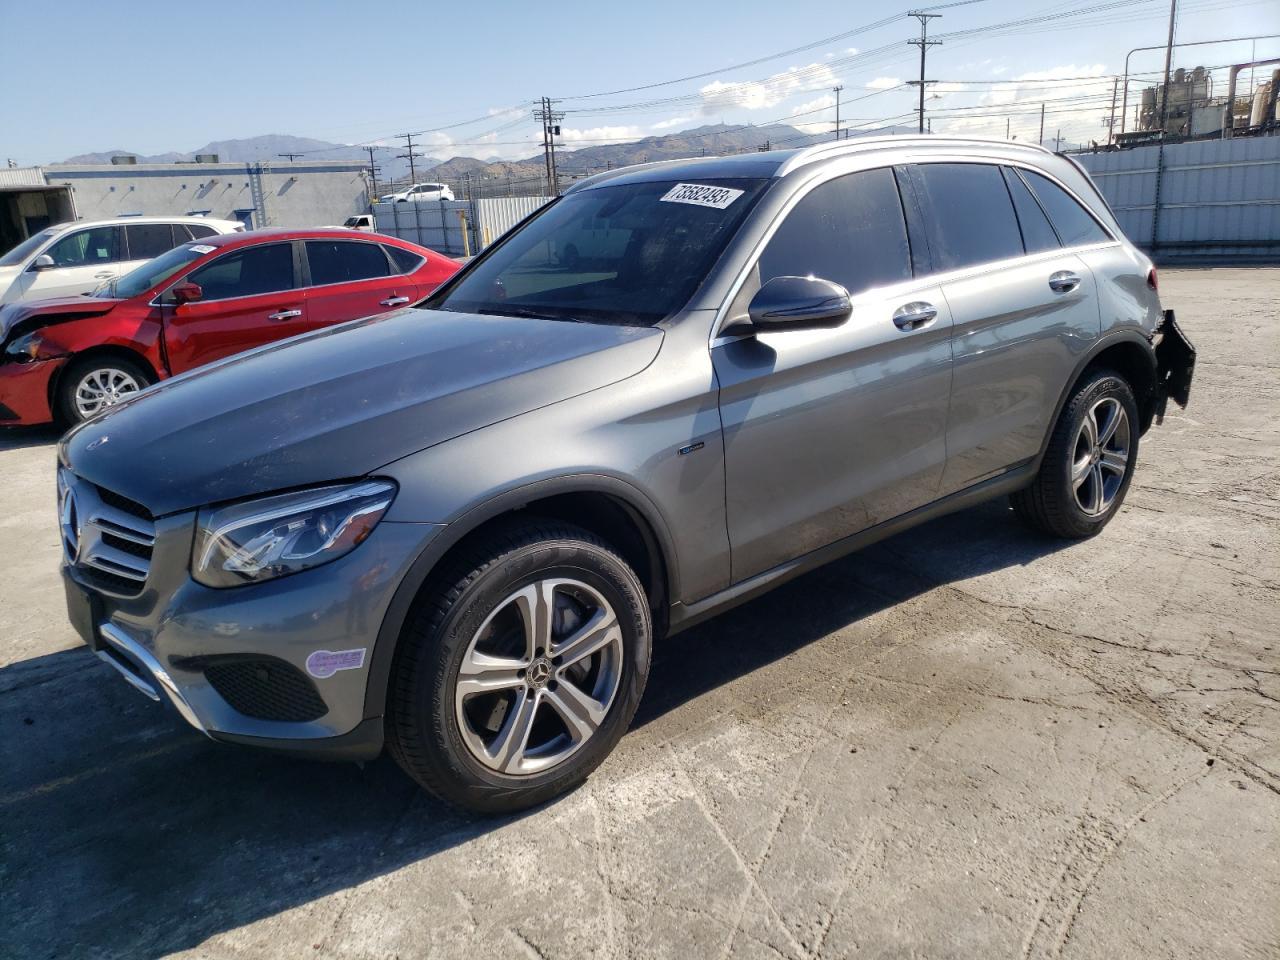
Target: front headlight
point(26, 347)
point(276, 536)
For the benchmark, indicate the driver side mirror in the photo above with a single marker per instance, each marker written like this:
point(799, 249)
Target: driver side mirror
point(43, 262)
point(186, 292)
point(799, 303)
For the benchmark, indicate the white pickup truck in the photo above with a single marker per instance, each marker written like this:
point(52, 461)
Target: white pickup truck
point(362, 221)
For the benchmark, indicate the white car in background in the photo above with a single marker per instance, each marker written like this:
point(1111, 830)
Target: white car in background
point(418, 193)
point(67, 259)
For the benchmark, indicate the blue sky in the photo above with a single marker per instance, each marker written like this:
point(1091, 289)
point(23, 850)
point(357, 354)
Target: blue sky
point(150, 76)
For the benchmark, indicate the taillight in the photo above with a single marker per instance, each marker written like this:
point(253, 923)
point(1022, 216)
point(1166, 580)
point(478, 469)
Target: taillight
point(1152, 281)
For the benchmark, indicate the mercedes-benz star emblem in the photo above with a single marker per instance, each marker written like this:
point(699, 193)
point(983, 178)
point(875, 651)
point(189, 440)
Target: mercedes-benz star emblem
point(539, 672)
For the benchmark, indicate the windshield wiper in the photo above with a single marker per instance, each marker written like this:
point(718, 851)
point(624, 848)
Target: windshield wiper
point(522, 312)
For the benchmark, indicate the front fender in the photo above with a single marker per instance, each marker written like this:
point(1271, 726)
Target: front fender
point(472, 518)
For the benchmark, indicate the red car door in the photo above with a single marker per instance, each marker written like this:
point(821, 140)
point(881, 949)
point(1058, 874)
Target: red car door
point(248, 297)
point(350, 279)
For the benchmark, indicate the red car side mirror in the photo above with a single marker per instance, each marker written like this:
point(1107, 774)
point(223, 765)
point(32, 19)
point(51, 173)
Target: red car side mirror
point(187, 292)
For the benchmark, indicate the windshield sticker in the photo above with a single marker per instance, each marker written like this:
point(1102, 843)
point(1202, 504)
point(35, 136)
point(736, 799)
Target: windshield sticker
point(701, 195)
point(202, 248)
point(324, 663)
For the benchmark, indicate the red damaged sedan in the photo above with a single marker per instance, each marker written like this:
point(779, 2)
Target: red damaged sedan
point(68, 358)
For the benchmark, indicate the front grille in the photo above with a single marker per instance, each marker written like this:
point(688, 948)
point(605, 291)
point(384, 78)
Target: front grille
point(106, 537)
point(266, 688)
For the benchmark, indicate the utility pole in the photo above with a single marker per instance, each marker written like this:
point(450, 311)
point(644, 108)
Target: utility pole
point(836, 89)
point(1164, 124)
point(373, 171)
point(1111, 124)
point(924, 43)
point(765, 147)
point(1041, 140)
point(1057, 141)
point(290, 156)
point(550, 120)
point(409, 154)
point(1168, 63)
point(1007, 121)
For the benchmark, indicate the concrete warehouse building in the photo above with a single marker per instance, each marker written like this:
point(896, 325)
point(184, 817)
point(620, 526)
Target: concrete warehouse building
point(303, 194)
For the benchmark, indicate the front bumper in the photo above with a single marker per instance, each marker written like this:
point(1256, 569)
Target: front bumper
point(1175, 365)
point(24, 391)
point(171, 640)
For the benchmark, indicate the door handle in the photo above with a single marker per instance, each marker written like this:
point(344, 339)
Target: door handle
point(1064, 281)
point(105, 275)
point(915, 316)
point(393, 301)
point(284, 314)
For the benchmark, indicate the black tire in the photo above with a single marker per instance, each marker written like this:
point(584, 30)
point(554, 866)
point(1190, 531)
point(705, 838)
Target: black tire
point(69, 381)
point(1049, 505)
point(424, 732)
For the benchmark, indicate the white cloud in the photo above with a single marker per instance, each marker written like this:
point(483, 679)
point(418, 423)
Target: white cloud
point(817, 115)
point(882, 83)
point(760, 95)
point(668, 124)
point(587, 137)
point(1077, 114)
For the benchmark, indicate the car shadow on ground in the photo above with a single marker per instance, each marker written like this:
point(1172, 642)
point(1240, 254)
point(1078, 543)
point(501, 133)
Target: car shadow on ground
point(16, 438)
point(126, 834)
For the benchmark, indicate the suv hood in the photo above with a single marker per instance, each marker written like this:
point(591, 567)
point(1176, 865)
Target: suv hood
point(341, 402)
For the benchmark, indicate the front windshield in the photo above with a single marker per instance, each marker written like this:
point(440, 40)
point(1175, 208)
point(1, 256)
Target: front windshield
point(630, 253)
point(154, 271)
point(25, 248)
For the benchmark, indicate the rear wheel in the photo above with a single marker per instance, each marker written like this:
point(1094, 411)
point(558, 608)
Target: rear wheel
point(91, 384)
point(521, 669)
point(1087, 467)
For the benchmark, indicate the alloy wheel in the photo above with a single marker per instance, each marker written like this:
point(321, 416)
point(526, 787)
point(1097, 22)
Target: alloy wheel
point(539, 676)
point(1101, 456)
point(101, 388)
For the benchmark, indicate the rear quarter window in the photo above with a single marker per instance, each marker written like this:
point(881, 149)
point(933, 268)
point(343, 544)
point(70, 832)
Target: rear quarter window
point(1074, 224)
point(406, 261)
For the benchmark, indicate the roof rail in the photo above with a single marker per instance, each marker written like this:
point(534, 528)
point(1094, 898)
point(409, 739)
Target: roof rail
point(854, 145)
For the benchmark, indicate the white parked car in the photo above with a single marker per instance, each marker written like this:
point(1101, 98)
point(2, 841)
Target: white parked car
point(363, 222)
point(79, 256)
point(418, 193)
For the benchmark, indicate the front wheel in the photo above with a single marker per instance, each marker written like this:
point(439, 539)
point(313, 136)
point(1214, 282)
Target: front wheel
point(1089, 462)
point(521, 669)
point(91, 384)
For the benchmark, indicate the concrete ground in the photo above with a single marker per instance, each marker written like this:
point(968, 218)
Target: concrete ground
point(964, 742)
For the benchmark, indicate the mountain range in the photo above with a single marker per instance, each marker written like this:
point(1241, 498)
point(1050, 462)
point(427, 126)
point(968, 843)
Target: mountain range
point(710, 140)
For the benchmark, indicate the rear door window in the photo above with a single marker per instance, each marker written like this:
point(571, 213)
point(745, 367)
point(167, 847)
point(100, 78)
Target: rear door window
point(850, 231)
point(245, 273)
point(343, 261)
point(199, 230)
point(1074, 224)
point(970, 215)
point(148, 240)
point(1037, 232)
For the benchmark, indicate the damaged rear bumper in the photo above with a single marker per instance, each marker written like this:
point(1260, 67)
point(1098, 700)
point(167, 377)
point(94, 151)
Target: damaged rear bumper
point(1175, 365)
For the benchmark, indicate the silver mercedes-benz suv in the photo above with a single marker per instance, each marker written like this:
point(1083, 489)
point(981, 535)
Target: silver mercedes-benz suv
point(457, 530)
